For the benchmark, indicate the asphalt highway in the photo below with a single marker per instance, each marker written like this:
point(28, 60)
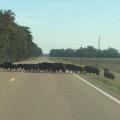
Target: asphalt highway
point(52, 96)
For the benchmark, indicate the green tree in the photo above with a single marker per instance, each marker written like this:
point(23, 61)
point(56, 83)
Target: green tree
point(16, 42)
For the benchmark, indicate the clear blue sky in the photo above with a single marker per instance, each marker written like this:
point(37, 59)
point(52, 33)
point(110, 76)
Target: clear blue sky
point(69, 23)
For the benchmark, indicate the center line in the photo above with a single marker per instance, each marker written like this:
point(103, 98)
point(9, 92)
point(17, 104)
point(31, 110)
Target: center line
point(12, 79)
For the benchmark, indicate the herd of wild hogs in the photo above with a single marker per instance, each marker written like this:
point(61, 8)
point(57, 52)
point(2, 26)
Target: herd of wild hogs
point(55, 67)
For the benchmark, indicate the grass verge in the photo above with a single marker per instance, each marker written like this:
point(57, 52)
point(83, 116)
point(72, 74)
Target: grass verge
point(110, 86)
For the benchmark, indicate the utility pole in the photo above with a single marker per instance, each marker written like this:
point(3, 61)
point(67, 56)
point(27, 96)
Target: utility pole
point(81, 45)
point(99, 44)
point(99, 40)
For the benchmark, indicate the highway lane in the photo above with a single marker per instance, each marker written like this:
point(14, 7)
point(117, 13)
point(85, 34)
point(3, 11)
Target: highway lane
point(46, 96)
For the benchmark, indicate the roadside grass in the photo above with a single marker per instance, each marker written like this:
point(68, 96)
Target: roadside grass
point(31, 58)
point(111, 63)
point(110, 86)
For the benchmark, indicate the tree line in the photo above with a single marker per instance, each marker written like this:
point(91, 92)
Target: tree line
point(16, 41)
point(89, 52)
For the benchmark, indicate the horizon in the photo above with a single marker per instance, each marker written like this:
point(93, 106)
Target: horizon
point(69, 24)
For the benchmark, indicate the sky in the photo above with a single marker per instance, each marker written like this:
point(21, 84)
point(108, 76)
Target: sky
point(69, 23)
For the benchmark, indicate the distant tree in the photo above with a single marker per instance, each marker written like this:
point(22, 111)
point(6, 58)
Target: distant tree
point(111, 52)
point(89, 51)
point(69, 52)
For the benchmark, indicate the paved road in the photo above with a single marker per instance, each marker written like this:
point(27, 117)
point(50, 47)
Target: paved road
point(45, 96)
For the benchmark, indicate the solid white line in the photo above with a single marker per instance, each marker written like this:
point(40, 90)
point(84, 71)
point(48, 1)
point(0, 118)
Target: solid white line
point(99, 90)
point(12, 79)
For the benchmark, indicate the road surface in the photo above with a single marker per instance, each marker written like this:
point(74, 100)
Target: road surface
point(47, 96)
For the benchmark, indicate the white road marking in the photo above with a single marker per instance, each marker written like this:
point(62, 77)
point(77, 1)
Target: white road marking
point(12, 79)
point(98, 89)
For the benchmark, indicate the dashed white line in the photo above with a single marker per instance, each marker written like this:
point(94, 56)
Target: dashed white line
point(98, 89)
point(12, 79)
